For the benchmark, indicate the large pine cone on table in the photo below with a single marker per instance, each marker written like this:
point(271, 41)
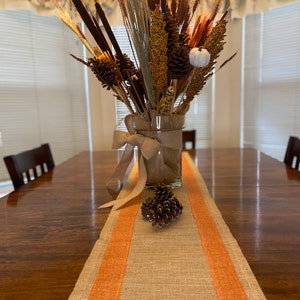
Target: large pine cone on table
point(163, 208)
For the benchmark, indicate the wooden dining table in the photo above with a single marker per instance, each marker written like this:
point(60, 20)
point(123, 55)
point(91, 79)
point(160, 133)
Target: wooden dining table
point(49, 226)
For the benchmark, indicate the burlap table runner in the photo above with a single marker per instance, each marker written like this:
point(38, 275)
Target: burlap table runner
point(196, 257)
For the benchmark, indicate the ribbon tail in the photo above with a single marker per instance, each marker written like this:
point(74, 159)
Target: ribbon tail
point(108, 204)
point(118, 203)
point(115, 182)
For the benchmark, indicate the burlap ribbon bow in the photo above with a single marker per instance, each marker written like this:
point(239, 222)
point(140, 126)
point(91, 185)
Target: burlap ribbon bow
point(148, 147)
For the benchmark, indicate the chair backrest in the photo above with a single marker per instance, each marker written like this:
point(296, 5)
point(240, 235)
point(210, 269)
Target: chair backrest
point(292, 154)
point(188, 136)
point(28, 165)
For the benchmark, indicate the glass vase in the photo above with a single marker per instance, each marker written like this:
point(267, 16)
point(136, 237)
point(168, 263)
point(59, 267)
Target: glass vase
point(165, 165)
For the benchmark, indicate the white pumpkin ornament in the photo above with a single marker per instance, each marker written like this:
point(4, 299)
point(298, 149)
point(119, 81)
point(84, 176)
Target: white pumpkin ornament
point(199, 58)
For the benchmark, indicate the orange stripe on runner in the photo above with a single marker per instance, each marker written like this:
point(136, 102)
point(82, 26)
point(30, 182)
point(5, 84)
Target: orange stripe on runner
point(226, 281)
point(108, 282)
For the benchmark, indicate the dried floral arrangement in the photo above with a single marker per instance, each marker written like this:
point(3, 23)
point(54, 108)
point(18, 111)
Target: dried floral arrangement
point(176, 50)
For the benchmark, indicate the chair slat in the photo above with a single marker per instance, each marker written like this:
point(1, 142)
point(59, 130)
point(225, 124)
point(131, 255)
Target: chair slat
point(188, 136)
point(20, 164)
point(292, 154)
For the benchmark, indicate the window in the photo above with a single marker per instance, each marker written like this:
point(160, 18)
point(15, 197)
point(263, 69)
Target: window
point(42, 89)
point(272, 79)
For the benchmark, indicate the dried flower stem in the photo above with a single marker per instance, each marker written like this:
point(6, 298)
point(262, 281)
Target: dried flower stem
point(65, 18)
point(136, 14)
point(94, 30)
point(110, 35)
point(214, 44)
point(159, 60)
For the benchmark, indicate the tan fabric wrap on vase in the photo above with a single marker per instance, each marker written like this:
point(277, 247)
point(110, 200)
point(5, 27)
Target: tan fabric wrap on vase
point(142, 133)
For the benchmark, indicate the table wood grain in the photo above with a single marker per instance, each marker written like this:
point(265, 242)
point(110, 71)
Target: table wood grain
point(49, 226)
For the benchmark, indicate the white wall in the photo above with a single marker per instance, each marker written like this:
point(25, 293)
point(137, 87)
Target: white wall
point(102, 112)
point(227, 99)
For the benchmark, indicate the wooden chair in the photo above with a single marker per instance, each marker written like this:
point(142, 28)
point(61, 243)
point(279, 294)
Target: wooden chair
point(28, 165)
point(292, 154)
point(188, 137)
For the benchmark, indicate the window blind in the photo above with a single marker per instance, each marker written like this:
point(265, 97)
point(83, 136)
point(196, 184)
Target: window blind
point(199, 115)
point(42, 89)
point(272, 79)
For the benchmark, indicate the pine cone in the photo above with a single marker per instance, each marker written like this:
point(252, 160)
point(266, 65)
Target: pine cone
point(179, 63)
point(172, 30)
point(104, 70)
point(130, 69)
point(184, 38)
point(163, 208)
point(163, 192)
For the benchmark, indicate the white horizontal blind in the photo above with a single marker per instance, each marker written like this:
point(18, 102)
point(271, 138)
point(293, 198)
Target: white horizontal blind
point(121, 109)
point(42, 90)
point(272, 79)
point(199, 115)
